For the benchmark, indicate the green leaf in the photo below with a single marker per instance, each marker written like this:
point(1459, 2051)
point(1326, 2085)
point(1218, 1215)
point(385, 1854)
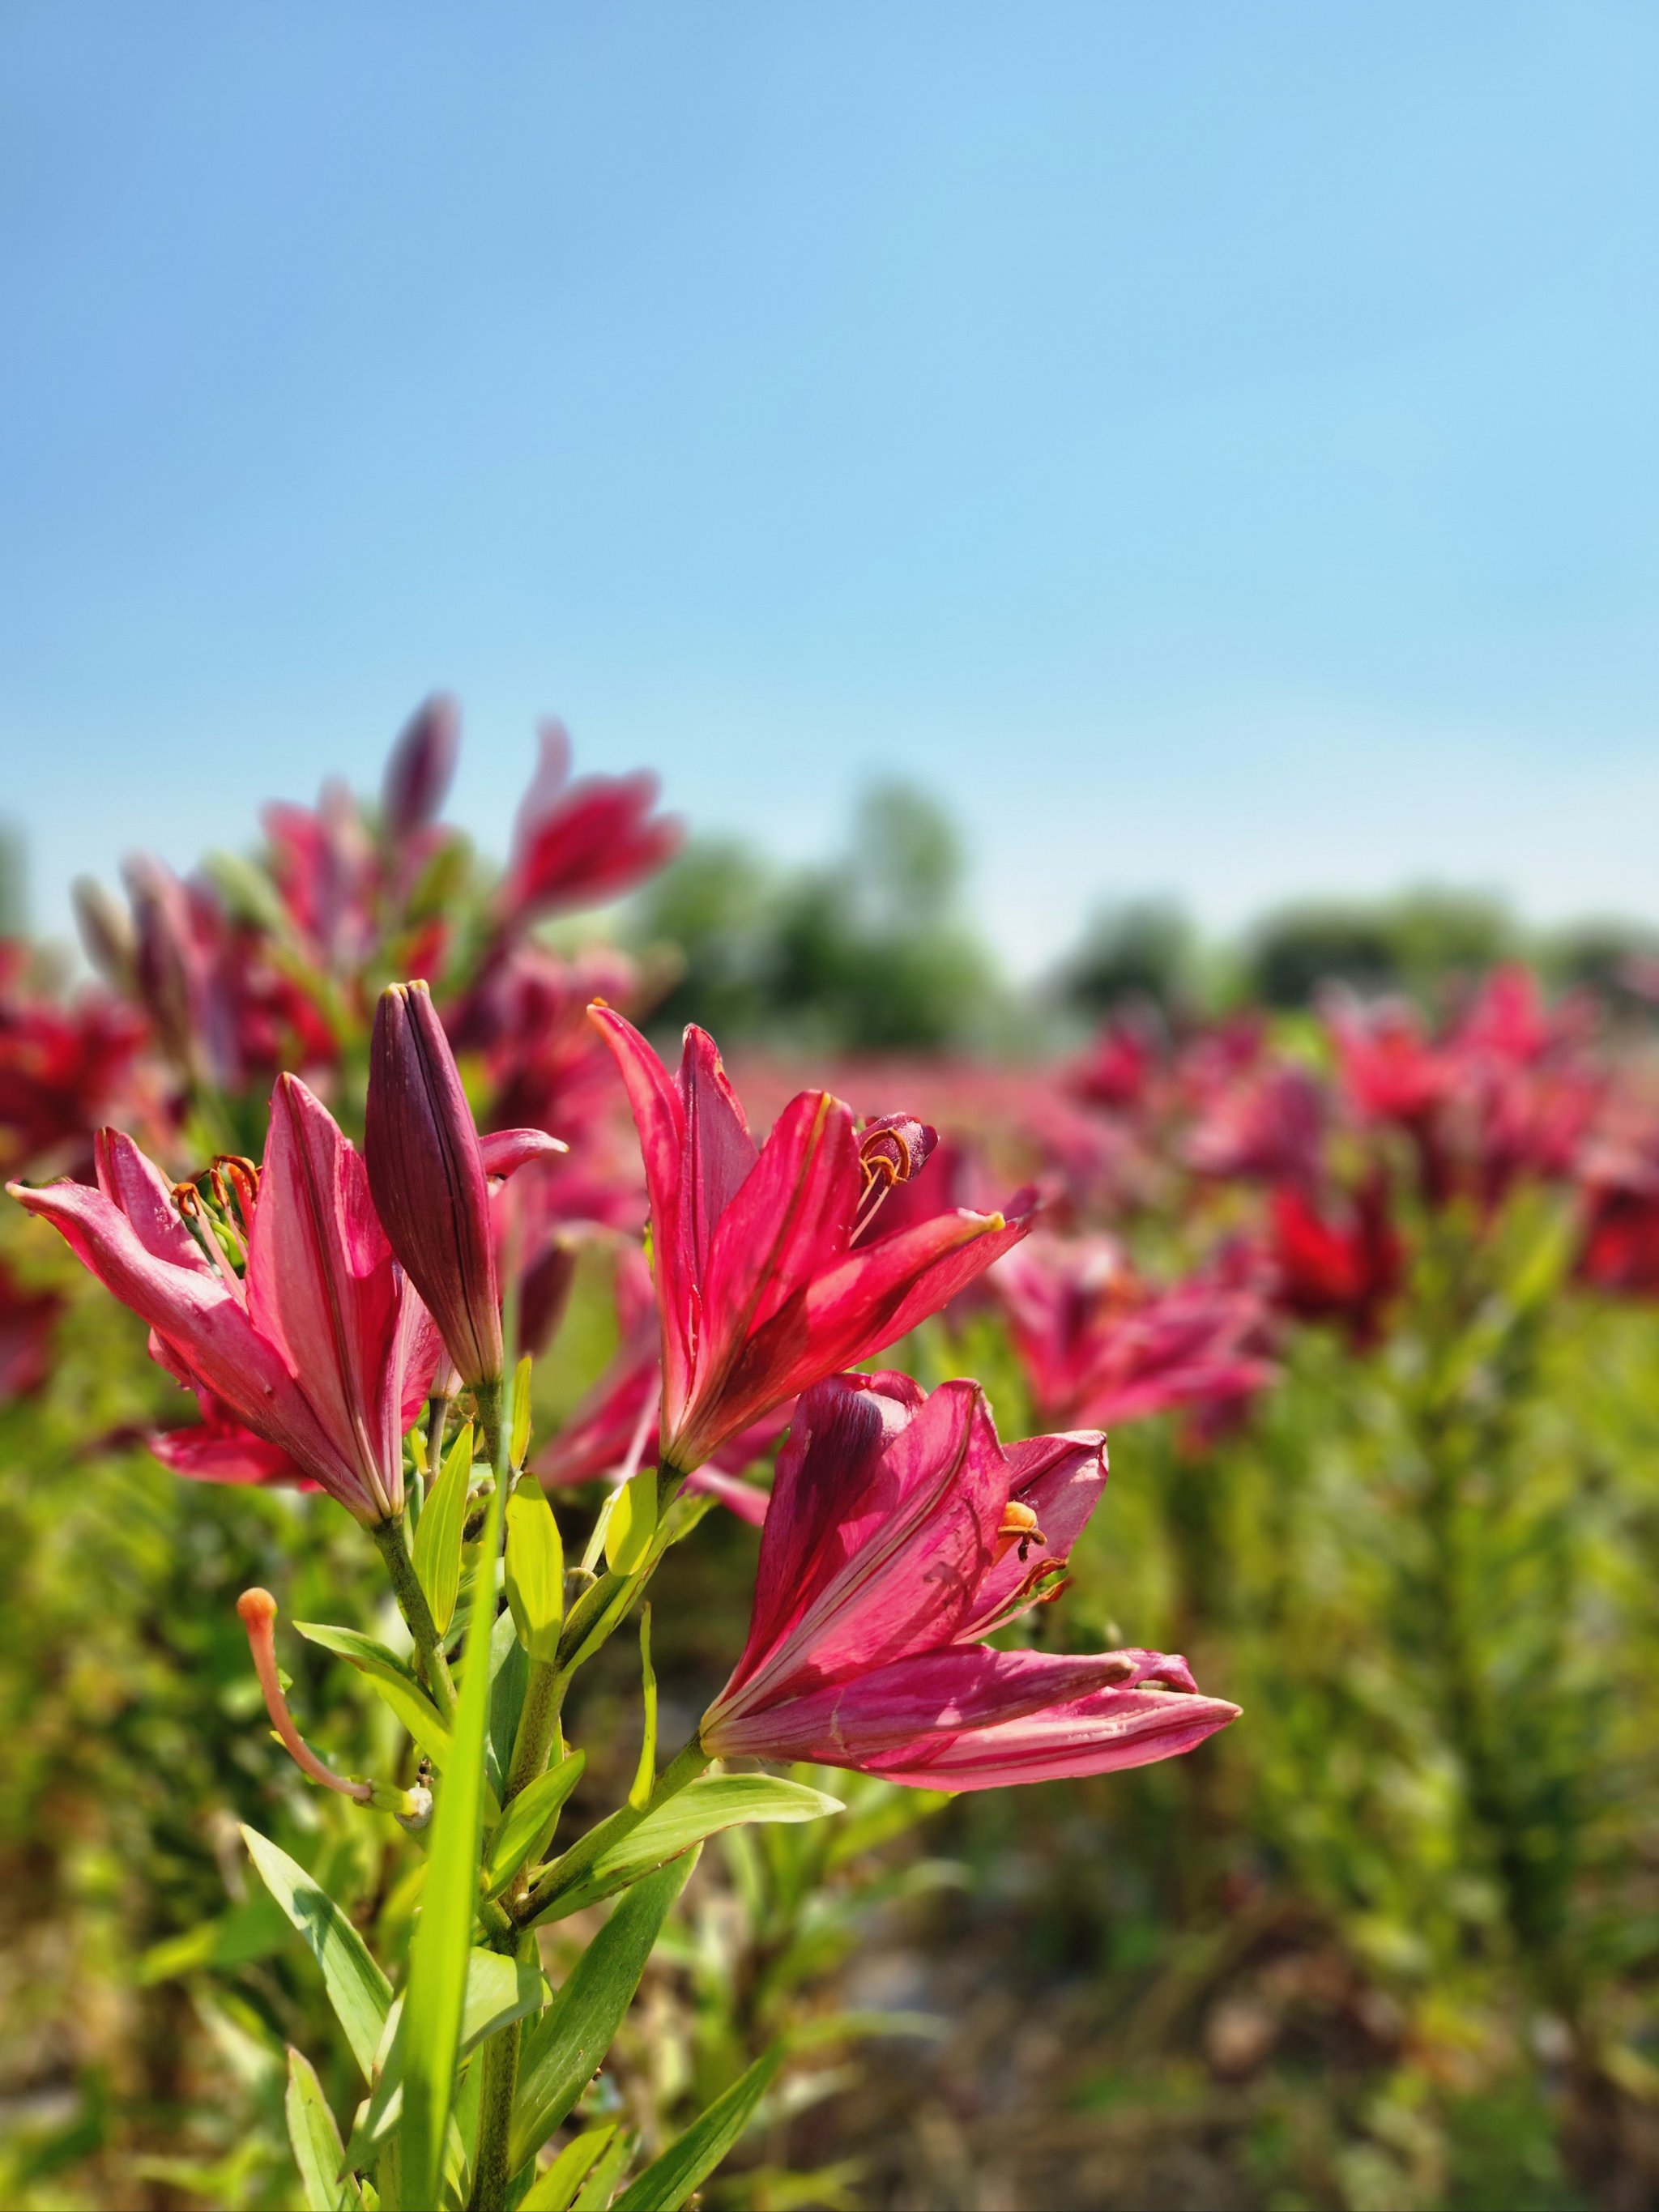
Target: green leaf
point(668, 2181)
point(526, 1820)
point(564, 2049)
point(359, 1992)
point(316, 2141)
point(632, 1523)
point(645, 1779)
point(439, 1953)
point(498, 1991)
point(701, 1808)
point(438, 1537)
point(552, 2191)
point(521, 1443)
point(252, 1930)
point(535, 1569)
point(597, 2191)
point(509, 1669)
point(393, 1679)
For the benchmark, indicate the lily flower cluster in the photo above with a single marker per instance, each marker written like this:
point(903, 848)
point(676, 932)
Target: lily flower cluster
point(315, 1303)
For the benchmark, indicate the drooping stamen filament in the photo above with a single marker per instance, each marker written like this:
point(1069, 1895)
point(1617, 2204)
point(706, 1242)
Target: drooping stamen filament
point(258, 1610)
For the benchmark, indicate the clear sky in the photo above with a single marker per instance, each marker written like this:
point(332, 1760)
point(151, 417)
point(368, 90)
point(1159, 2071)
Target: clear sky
point(1215, 446)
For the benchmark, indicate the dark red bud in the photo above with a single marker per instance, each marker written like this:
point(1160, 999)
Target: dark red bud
point(426, 1174)
point(422, 761)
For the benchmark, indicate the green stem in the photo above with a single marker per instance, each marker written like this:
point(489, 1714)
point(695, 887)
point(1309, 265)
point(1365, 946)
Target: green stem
point(487, 1398)
point(537, 1718)
point(566, 1872)
point(500, 2086)
point(412, 1599)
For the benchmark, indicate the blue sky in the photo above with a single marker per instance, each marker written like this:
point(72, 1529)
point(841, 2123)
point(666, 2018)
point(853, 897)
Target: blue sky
point(1213, 447)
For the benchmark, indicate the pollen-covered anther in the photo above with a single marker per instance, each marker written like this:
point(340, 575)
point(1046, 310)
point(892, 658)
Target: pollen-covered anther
point(1020, 1526)
point(892, 1148)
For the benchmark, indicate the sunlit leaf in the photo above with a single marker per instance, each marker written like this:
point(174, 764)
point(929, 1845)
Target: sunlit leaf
point(316, 2139)
point(535, 1569)
point(632, 1523)
point(438, 1538)
point(442, 1942)
point(552, 2191)
point(359, 1992)
point(526, 1820)
point(701, 1808)
point(668, 2181)
point(392, 1678)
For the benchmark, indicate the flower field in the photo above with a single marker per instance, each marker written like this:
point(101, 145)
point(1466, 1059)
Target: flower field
point(568, 1638)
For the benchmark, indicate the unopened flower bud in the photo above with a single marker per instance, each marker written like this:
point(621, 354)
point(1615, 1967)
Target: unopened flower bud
point(422, 763)
point(426, 1172)
point(106, 930)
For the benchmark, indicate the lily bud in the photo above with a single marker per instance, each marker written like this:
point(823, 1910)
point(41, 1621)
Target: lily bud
point(417, 775)
point(427, 1176)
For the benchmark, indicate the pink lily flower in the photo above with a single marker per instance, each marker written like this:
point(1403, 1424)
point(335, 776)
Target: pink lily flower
point(764, 1285)
point(579, 844)
point(900, 1534)
point(1099, 1344)
point(613, 1427)
point(318, 1344)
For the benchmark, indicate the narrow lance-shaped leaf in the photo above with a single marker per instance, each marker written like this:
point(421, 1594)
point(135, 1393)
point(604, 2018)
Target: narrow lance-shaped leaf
point(535, 1570)
point(553, 2190)
point(520, 1444)
point(392, 1679)
point(316, 2141)
point(438, 1538)
point(645, 1779)
point(498, 1991)
point(443, 1940)
point(527, 1817)
point(632, 1522)
point(567, 2046)
point(359, 1992)
point(665, 2185)
point(600, 2187)
point(700, 1809)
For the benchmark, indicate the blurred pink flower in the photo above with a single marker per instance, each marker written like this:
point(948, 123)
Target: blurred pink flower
point(760, 1289)
point(1267, 1126)
point(579, 844)
point(1099, 1346)
point(900, 1534)
point(1348, 1268)
point(318, 1346)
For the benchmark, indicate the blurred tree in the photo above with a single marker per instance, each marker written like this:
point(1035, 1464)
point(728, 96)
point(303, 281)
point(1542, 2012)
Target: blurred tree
point(1603, 956)
point(871, 953)
point(1411, 943)
point(1145, 948)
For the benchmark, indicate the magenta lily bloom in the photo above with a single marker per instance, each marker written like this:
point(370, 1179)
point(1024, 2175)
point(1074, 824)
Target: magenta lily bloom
point(579, 844)
point(763, 1284)
point(318, 1346)
point(1099, 1345)
point(900, 1534)
point(430, 1173)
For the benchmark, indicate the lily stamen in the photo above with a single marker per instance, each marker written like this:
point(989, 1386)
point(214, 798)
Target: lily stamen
point(202, 1222)
point(1020, 1526)
point(258, 1611)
